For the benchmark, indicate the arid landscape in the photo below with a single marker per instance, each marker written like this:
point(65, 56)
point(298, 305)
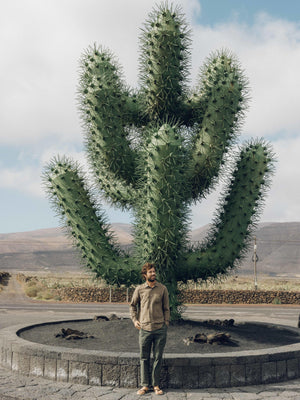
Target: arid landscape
point(49, 250)
point(46, 265)
point(44, 260)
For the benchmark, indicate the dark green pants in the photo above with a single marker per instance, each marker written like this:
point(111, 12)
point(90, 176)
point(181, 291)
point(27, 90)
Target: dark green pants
point(147, 339)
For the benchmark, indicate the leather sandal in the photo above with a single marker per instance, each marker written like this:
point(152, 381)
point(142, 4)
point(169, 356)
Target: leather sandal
point(157, 390)
point(143, 390)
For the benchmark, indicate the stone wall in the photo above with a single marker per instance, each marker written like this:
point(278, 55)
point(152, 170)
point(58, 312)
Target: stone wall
point(240, 297)
point(119, 295)
point(94, 294)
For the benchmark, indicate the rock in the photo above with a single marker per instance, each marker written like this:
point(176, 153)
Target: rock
point(228, 322)
point(218, 322)
point(73, 334)
point(100, 318)
point(113, 317)
point(213, 338)
point(188, 340)
point(200, 338)
point(218, 338)
point(69, 331)
point(73, 337)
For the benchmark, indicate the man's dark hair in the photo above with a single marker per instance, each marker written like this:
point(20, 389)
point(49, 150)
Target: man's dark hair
point(146, 268)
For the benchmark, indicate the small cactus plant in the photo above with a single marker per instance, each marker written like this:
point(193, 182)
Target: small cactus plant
point(154, 152)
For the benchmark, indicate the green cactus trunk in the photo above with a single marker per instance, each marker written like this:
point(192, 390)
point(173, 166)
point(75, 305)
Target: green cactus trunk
point(154, 152)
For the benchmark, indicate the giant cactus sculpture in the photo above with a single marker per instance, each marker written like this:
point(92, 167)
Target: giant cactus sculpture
point(155, 151)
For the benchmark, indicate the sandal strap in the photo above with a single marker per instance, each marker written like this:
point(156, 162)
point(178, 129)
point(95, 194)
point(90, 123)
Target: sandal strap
point(157, 390)
point(143, 390)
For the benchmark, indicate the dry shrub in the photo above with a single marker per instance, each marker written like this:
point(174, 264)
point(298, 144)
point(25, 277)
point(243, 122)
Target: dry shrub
point(31, 283)
point(45, 295)
point(31, 291)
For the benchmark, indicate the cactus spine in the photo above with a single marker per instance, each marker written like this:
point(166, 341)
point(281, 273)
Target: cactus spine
point(155, 151)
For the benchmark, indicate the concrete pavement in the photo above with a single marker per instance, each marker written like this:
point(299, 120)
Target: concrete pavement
point(14, 386)
point(35, 311)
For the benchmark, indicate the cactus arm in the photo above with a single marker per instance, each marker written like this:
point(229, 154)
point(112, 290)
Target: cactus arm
point(105, 107)
point(164, 43)
point(217, 110)
point(135, 114)
point(229, 235)
point(116, 191)
point(99, 252)
point(161, 229)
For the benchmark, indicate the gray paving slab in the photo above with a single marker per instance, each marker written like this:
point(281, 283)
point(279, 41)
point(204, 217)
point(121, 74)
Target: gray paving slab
point(18, 387)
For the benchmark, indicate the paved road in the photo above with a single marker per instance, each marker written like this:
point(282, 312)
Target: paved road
point(11, 314)
point(18, 309)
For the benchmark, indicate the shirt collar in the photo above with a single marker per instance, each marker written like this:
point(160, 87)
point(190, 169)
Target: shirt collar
point(146, 285)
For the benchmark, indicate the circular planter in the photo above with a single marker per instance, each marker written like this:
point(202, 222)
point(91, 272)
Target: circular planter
point(121, 369)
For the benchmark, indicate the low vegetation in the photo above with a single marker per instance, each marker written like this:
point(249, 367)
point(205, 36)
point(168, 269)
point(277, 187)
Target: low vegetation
point(246, 282)
point(51, 286)
point(4, 277)
point(47, 286)
point(36, 288)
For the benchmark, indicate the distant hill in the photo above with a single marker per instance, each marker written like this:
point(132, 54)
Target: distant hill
point(46, 249)
point(278, 249)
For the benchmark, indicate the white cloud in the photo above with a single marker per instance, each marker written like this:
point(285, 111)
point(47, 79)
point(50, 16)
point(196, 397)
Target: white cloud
point(42, 43)
point(37, 84)
point(283, 201)
point(63, 150)
point(26, 176)
point(204, 211)
point(25, 180)
point(269, 52)
point(41, 46)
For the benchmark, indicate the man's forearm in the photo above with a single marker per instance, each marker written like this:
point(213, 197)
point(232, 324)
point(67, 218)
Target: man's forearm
point(166, 308)
point(133, 313)
point(134, 306)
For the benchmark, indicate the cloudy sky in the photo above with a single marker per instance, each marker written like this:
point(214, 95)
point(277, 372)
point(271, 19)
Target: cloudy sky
point(42, 41)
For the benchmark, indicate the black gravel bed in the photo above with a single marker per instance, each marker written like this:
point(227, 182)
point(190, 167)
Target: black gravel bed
point(121, 336)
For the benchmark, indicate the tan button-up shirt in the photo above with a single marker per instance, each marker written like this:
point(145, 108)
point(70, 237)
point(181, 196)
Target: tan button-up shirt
point(150, 306)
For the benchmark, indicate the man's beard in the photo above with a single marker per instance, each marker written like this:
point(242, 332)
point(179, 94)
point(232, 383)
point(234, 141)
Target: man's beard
point(151, 279)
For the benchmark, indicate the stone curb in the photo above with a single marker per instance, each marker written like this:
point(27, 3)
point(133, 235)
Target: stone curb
point(106, 368)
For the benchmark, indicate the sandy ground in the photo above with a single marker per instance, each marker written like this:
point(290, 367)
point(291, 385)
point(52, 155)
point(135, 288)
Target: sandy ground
point(12, 292)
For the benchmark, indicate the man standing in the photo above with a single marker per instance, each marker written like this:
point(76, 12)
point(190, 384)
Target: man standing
point(150, 313)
